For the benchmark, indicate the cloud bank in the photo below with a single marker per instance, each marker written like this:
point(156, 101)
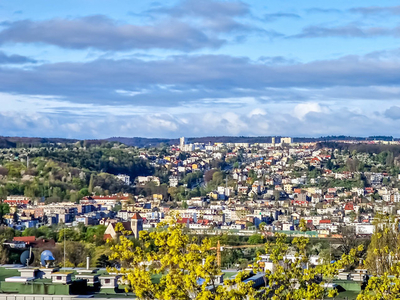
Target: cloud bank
point(201, 68)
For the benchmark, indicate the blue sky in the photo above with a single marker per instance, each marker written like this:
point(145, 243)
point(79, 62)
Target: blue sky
point(95, 69)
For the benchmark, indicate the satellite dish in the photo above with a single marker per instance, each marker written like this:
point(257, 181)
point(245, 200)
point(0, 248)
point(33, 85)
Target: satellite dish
point(46, 258)
point(27, 257)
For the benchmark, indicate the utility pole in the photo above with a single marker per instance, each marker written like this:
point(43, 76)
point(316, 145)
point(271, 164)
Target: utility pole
point(30, 256)
point(64, 245)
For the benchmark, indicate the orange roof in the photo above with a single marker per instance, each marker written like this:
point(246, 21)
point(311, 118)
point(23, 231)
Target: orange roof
point(324, 221)
point(136, 216)
point(107, 237)
point(349, 206)
point(13, 201)
point(26, 239)
point(185, 220)
point(204, 222)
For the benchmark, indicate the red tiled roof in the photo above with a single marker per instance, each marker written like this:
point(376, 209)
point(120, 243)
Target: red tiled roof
point(107, 237)
point(16, 201)
point(185, 220)
point(349, 206)
point(325, 222)
point(204, 222)
point(26, 239)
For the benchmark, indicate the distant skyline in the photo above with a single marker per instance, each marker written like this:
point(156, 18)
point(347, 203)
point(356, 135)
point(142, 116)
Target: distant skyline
point(96, 68)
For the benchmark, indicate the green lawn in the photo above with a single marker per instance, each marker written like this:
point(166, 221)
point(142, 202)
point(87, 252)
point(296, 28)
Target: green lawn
point(348, 295)
point(228, 275)
point(5, 273)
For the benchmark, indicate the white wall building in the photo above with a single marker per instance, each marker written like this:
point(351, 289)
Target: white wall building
point(124, 178)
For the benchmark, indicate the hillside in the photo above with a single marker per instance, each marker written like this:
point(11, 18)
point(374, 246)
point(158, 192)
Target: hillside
point(141, 142)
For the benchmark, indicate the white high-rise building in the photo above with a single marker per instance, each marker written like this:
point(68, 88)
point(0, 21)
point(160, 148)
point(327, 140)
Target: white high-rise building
point(286, 140)
point(182, 143)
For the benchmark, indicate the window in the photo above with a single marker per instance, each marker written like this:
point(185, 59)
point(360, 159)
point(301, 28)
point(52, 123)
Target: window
point(59, 277)
point(107, 281)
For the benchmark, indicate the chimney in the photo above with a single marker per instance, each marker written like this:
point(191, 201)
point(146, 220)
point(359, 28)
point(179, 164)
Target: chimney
point(87, 262)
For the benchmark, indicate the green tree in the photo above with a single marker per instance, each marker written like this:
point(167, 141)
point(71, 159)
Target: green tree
point(262, 225)
point(4, 254)
point(32, 232)
point(249, 224)
point(91, 184)
point(352, 216)
point(303, 225)
point(290, 280)
point(173, 192)
point(95, 234)
point(184, 205)
point(117, 208)
point(186, 267)
point(76, 253)
point(4, 209)
point(389, 159)
point(103, 262)
point(256, 239)
point(384, 249)
point(84, 192)
point(383, 261)
point(70, 235)
point(218, 177)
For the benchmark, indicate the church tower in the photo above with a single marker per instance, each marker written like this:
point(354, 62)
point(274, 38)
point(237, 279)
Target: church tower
point(136, 224)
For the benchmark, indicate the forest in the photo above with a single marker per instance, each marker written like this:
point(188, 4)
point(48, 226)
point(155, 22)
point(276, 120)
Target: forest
point(69, 173)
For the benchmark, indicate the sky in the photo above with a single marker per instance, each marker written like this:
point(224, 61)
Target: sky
point(99, 68)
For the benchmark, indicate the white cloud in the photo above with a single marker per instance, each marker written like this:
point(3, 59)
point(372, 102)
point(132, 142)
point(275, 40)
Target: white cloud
point(302, 109)
point(35, 115)
point(257, 112)
point(131, 93)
